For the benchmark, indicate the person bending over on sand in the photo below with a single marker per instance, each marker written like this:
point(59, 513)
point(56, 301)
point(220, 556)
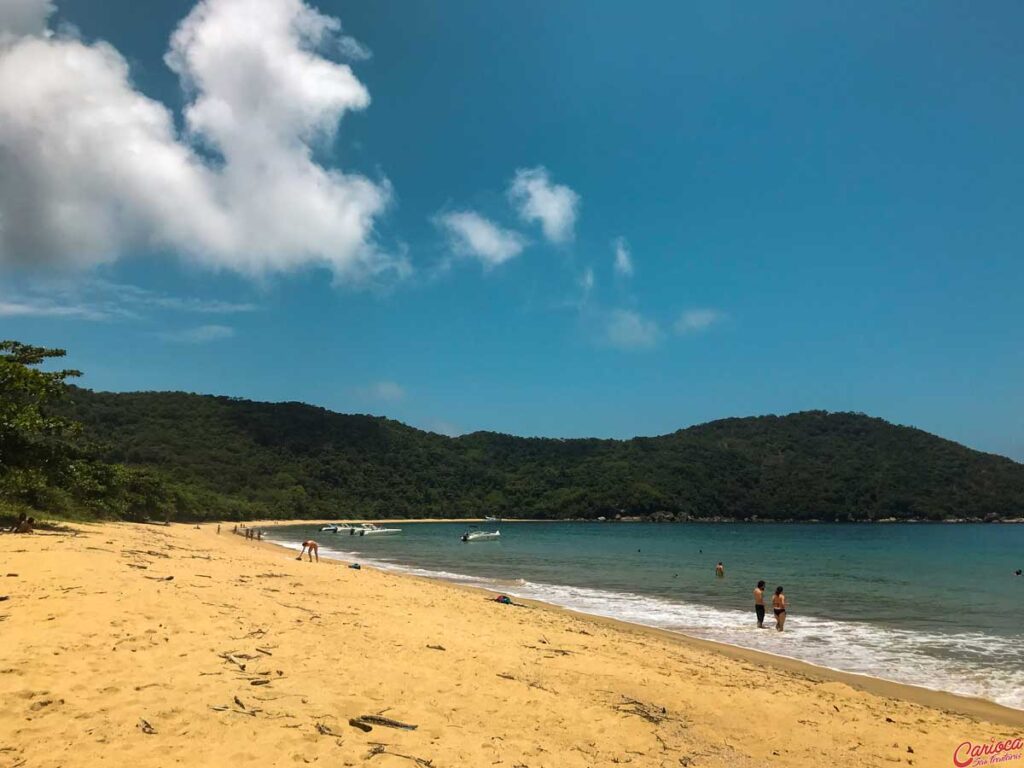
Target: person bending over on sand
point(779, 606)
point(759, 604)
point(719, 570)
point(312, 548)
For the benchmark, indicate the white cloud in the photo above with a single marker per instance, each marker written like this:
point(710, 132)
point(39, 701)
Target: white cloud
point(555, 206)
point(36, 307)
point(91, 168)
point(696, 320)
point(623, 257)
point(626, 329)
point(23, 17)
point(388, 391)
point(97, 299)
point(587, 282)
point(470, 234)
point(202, 334)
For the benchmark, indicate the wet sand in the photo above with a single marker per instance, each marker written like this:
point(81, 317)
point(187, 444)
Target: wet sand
point(153, 646)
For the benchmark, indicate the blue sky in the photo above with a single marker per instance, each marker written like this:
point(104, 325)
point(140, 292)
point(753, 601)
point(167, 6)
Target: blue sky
point(812, 205)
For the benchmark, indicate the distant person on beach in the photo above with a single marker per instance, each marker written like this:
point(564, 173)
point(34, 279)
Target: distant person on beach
point(21, 519)
point(259, 535)
point(779, 606)
point(25, 526)
point(218, 527)
point(759, 604)
point(719, 570)
point(313, 549)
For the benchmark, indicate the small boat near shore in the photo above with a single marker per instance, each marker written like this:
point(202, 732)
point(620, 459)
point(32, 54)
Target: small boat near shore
point(331, 528)
point(469, 536)
point(375, 530)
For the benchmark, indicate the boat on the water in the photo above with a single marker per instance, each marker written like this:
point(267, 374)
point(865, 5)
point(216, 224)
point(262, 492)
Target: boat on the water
point(375, 530)
point(469, 536)
point(332, 528)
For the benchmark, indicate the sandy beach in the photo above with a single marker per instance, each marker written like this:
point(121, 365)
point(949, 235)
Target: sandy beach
point(153, 646)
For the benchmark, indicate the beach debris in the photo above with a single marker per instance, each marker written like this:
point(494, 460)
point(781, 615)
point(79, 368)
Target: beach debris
point(228, 657)
point(556, 651)
point(9, 575)
point(326, 730)
point(386, 722)
point(159, 578)
point(258, 632)
point(238, 701)
point(4, 597)
point(140, 567)
point(259, 682)
point(381, 749)
point(355, 723)
point(652, 713)
point(889, 720)
point(437, 647)
point(355, 566)
point(150, 552)
point(264, 651)
point(145, 727)
point(910, 749)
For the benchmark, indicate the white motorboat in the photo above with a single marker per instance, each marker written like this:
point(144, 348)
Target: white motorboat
point(345, 529)
point(469, 536)
point(332, 528)
point(375, 530)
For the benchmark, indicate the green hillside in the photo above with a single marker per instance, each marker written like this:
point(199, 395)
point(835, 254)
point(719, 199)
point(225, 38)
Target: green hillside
point(226, 457)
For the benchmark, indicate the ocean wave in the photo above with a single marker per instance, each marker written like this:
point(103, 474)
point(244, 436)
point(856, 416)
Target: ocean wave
point(966, 663)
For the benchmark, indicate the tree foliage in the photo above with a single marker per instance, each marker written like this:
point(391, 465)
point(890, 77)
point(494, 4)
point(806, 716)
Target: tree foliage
point(226, 457)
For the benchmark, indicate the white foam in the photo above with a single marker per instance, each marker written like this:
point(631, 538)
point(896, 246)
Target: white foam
point(967, 663)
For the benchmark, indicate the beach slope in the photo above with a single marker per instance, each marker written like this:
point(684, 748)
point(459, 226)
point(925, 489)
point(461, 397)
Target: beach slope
point(157, 646)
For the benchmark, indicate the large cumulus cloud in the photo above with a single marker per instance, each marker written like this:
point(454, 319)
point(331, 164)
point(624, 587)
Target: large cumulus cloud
point(91, 169)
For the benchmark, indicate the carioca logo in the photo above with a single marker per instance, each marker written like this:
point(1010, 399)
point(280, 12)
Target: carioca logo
point(966, 753)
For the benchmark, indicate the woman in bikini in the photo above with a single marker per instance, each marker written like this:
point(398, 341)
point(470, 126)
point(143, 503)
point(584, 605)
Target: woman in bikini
point(779, 606)
point(310, 548)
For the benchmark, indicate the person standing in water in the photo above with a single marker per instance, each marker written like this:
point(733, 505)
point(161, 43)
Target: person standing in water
point(759, 604)
point(779, 606)
point(719, 570)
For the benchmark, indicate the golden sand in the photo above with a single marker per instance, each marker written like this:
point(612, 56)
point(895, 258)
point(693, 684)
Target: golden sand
point(156, 646)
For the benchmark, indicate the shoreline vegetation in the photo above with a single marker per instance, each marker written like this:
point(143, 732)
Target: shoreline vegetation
point(159, 639)
point(71, 453)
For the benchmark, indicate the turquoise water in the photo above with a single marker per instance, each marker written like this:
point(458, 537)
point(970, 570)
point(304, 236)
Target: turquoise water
point(931, 605)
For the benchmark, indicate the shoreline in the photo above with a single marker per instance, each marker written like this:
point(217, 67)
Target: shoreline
point(172, 645)
point(610, 521)
point(970, 706)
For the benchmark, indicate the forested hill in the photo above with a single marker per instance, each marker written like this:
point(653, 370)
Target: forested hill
point(227, 457)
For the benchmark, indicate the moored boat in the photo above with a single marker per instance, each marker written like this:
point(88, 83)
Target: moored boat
point(469, 536)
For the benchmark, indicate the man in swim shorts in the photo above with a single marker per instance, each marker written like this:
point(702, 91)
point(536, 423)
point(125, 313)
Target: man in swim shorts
point(311, 548)
point(759, 603)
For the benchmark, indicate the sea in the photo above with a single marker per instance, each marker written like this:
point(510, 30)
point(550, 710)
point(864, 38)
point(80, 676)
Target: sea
point(932, 605)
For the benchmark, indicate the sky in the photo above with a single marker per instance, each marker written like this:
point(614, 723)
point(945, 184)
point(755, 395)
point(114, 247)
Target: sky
point(561, 219)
